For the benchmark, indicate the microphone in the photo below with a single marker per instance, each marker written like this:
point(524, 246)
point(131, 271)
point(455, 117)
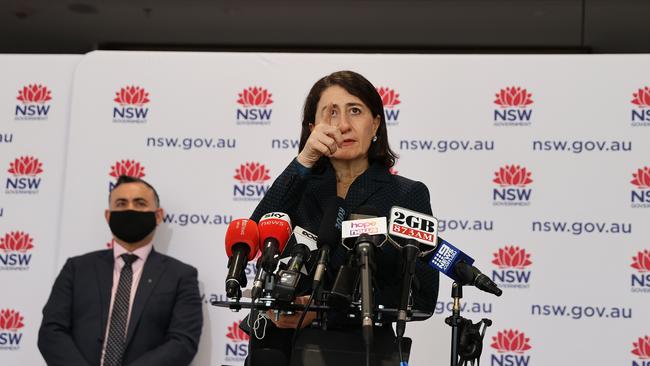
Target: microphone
point(458, 266)
point(329, 233)
point(274, 229)
point(304, 242)
point(242, 240)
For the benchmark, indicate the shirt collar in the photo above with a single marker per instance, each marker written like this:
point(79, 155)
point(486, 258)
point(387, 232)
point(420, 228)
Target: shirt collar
point(142, 252)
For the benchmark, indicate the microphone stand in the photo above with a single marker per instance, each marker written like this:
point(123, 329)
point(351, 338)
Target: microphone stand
point(454, 320)
point(365, 249)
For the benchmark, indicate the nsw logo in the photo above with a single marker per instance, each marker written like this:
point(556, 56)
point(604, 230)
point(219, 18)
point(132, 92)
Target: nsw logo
point(641, 349)
point(390, 100)
point(252, 178)
point(511, 346)
point(640, 281)
point(254, 107)
point(11, 324)
point(640, 197)
point(237, 347)
point(130, 106)
point(130, 168)
point(24, 176)
point(512, 263)
point(512, 181)
point(641, 109)
point(33, 103)
point(15, 248)
point(513, 107)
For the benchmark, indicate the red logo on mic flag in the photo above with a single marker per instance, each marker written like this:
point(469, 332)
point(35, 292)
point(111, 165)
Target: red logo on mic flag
point(255, 96)
point(11, 320)
point(512, 175)
point(132, 95)
point(642, 348)
point(16, 241)
point(510, 340)
point(129, 168)
point(34, 94)
point(642, 97)
point(512, 257)
point(235, 334)
point(641, 178)
point(26, 166)
point(252, 172)
point(513, 96)
point(641, 261)
point(389, 97)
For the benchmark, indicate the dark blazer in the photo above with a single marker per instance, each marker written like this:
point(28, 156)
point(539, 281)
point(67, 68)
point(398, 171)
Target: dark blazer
point(304, 196)
point(166, 316)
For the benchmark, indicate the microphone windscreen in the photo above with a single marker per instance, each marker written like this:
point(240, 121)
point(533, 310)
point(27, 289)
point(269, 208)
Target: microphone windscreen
point(275, 225)
point(329, 232)
point(242, 231)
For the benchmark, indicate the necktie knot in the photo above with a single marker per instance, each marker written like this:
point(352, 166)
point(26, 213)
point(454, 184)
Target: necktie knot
point(129, 259)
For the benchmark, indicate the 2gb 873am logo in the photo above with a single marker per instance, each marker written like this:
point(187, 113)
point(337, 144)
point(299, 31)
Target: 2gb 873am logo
point(252, 178)
point(131, 105)
point(512, 181)
point(513, 107)
point(24, 175)
point(33, 104)
point(130, 168)
point(237, 345)
point(254, 106)
point(640, 197)
point(641, 108)
point(640, 281)
point(11, 325)
point(511, 346)
point(512, 262)
point(390, 100)
point(15, 247)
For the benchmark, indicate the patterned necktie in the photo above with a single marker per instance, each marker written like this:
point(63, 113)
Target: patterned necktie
point(116, 341)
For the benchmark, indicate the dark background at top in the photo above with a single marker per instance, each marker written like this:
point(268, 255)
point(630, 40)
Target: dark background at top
point(419, 26)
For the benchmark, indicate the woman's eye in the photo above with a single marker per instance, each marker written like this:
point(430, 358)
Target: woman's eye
point(355, 110)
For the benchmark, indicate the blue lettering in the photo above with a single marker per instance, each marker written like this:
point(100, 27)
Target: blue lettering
point(130, 113)
point(250, 190)
point(642, 363)
point(391, 114)
point(7, 137)
point(141, 113)
point(237, 349)
point(13, 259)
point(12, 339)
point(511, 276)
point(32, 110)
point(641, 280)
point(510, 360)
point(640, 115)
point(641, 196)
point(23, 183)
point(511, 194)
point(512, 115)
point(254, 114)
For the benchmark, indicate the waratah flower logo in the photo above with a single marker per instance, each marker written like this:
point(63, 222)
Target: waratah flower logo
point(641, 178)
point(512, 257)
point(642, 348)
point(389, 97)
point(34, 94)
point(132, 95)
point(129, 168)
point(642, 261)
point(236, 334)
point(510, 341)
point(16, 241)
point(10, 320)
point(512, 175)
point(642, 97)
point(513, 96)
point(255, 96)
point(252, 173)
point(26, 165)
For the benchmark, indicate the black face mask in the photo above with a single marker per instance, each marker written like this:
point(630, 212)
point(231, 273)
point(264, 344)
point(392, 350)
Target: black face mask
point(132, 226)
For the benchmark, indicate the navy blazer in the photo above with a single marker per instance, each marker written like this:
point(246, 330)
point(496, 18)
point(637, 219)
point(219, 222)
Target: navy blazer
point(166, 316)
point(304, 196)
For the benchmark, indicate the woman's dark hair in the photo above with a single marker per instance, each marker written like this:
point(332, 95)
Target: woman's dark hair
point(361, 88)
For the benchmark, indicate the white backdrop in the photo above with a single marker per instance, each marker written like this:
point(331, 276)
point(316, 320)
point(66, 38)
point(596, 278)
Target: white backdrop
point(559, 228)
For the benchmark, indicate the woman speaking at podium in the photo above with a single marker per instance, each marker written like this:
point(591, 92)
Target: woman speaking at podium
point(344, 152)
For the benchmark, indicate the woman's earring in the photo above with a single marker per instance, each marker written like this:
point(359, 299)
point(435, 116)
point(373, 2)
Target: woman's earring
point(374, 138)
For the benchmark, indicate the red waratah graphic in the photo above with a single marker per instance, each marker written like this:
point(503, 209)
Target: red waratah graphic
point(513, 96)
point(512, 175)
point(642, 261)
point(510, 341)
point(642, 97)
point(641, 178)
point(388, 97)
point(642, 348)
point(132, 95)
point(255, 96)
point(129, 168)
point(512, 257)
point(10, 320)
point(34, 94)
point(26, 165)
point(16, 241)
point(252, 173)
point(236, 334)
